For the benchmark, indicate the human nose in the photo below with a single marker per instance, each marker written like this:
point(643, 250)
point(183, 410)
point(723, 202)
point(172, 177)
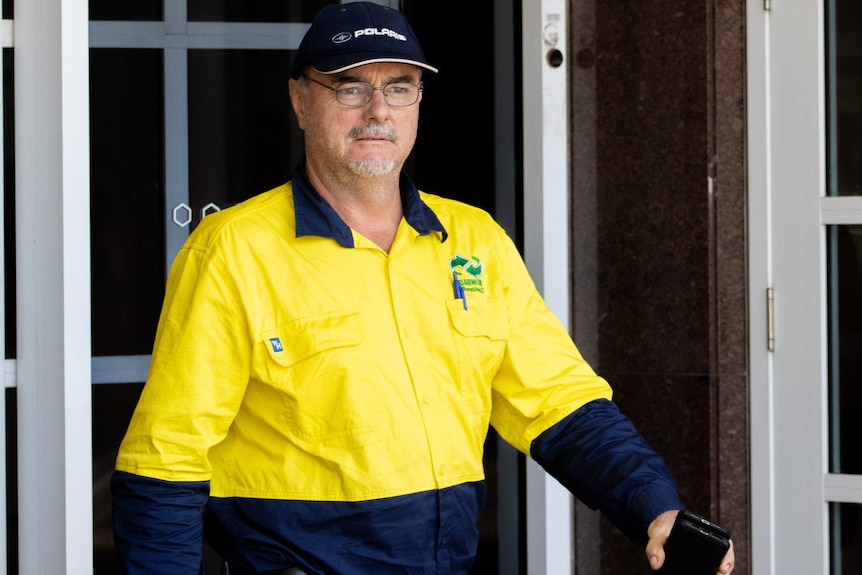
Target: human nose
point(377, 106)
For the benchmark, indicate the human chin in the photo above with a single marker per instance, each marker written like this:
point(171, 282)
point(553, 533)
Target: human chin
point(372, 168)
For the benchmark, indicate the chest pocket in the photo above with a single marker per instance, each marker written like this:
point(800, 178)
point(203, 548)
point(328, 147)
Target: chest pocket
point(310, 365)
point(303, 338)
point(481, 333)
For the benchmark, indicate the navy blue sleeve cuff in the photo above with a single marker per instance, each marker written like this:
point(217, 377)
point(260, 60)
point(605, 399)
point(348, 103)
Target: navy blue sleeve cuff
point(598, 455)
point(158, 525)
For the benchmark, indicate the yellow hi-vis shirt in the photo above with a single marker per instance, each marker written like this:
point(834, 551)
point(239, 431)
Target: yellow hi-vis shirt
point(295, 368)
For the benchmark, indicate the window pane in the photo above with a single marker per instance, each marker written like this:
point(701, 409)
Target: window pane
point(471, 154)
point(846, 537)
point(244, 11)
point(845, 98)
point(126, 199)
point(112, 406)
point(242, 138)
point(11, 446)
point(845, 345)
point(146, 10)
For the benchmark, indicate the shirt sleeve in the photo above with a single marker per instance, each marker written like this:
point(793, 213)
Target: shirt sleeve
point(598, 455)
point(542, 377)
point(158, 525)
point(198, 373)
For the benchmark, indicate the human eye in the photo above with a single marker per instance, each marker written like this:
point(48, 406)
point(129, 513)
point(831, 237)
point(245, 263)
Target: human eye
point(353, 89)
point(400, 89)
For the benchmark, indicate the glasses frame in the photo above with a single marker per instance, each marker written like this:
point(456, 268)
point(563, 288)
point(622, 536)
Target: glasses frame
point(338, 92)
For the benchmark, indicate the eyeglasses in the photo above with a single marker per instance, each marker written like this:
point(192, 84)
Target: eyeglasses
point(355, 94)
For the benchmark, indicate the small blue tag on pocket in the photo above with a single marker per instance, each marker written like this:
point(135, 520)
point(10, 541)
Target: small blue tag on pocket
point(276, 344)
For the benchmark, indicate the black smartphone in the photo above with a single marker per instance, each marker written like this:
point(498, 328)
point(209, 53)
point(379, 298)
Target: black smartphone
point(695, 546)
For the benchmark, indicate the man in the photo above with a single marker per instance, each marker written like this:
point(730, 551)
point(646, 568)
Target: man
point(331, 353)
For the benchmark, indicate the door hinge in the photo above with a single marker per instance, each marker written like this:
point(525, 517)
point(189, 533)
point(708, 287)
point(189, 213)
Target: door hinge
point(770, 319)
point(767, 5)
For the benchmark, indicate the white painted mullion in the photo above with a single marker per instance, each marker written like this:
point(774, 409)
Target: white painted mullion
point(120, 369)
point(9, 373)
point(77, 317)
point(759, 122)
point(176, 150)
point(390, 3)
point(841, 210)
point(53, 287)
point(843, 488)
point(3, 453)
point(799, 362)
point(7, 35)
point(176, 16)
point(546, 248)
point(198, 35)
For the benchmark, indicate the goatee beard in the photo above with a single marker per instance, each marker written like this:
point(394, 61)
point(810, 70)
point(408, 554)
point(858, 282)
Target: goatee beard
point(372, 168)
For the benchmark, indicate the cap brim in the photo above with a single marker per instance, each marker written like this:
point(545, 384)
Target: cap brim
point(334, 65)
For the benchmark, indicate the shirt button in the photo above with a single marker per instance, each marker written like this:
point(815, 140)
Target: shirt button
point(426, 399)
point(408, 331)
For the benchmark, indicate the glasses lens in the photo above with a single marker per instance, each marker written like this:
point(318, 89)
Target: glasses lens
point(401, 93)
point(354, 94)
point(397, 94)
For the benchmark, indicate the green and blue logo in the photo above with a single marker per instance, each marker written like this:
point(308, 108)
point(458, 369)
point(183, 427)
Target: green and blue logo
point(469, 272)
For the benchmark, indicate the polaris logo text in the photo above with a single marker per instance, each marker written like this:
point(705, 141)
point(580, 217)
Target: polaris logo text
point(380, 32)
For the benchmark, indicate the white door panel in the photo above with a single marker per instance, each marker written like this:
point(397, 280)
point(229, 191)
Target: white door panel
point(789, 218)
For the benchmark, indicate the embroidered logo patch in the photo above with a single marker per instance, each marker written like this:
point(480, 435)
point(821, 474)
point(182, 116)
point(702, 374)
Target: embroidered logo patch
point(469, 272)
point(276, 344)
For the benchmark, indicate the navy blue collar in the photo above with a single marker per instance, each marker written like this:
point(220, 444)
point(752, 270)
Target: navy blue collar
point(315, 217)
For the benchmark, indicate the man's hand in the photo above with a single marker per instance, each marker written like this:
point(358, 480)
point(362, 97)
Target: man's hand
point(658, 533)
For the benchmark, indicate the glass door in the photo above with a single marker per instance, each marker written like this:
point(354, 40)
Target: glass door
point(805, 202)
point(190, 114)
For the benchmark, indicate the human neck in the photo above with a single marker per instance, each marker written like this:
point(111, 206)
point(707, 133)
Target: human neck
point(371, 206)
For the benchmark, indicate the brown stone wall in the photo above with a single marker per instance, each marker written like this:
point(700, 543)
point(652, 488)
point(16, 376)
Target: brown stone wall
point(659, 245)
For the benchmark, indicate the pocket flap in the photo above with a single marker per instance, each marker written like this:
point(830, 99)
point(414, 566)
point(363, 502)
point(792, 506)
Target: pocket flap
point(481, 318)
point(302, 338)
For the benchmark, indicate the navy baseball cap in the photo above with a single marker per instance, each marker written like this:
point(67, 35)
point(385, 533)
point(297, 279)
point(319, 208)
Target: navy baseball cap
point(344, 36)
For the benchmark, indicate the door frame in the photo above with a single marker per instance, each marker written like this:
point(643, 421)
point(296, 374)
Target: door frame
point(549, 521)
point(787, 353)
point(54, 372)
point(52, 212)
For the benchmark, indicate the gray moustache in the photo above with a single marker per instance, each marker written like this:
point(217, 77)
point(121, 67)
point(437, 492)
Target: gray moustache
point(372, 131)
